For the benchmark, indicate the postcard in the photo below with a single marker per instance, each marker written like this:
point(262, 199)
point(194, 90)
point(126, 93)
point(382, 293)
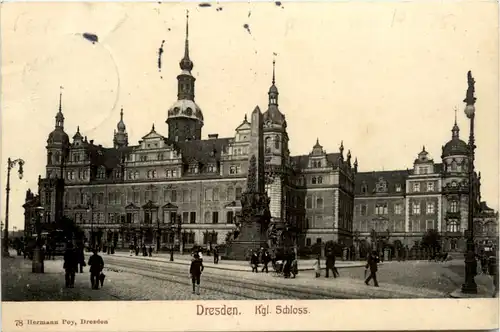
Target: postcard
point(206, 166)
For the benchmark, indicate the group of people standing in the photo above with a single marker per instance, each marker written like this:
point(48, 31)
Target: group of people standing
point(74, 261)
point(146, 251)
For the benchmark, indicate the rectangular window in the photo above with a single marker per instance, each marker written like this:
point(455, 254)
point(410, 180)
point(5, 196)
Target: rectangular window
point(154, 196)
point(308, 241)
point(173, 217)
point(111, 218)
point(430, 208)
point(397, 209)
point(166, 196)
point(416, 208)
point(416, 187)
point(363, 210)
point(208, 194)
point(216, 194)
point(186, 196)
point(147, 196)
point(130, 217)
point(309, 202)
point(185, 217)
point(454, 206)
point(229, 217)
point(430, 224)
point(398, 187)
point(174, 196)
point(192, 217)
point(215, 217)
point(136, 197)
point(238, 193)
point(430, 186)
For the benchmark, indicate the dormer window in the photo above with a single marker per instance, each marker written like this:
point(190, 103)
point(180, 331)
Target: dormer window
point(381, 185)
point(101, 173)
point(416, 187)
point(364, 189)
point(193, 169)
point(212, 168)
point(233, 169)
point(398, 187)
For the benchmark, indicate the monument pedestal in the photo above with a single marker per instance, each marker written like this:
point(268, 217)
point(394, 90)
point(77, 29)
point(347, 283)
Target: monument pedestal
point(252, 236)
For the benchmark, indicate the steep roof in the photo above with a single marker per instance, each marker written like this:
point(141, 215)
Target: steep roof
point(302, 161)
point(370, 179)
point(202, 151)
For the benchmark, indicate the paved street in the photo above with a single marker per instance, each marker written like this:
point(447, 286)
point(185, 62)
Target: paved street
point(144, 278)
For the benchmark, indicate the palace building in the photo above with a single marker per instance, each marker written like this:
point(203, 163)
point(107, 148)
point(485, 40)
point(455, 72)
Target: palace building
point(180, 188)
point(402, 205)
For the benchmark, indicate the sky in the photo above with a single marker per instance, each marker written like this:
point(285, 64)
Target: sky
point(383, 77)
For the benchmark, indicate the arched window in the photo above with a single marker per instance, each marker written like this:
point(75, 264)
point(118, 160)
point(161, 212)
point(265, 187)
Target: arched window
point(232, 170)
point(364, 189)
point(453, 165)
point(238, 193)
point(230, 194)
point(136, 174)
point(277, 142)
point(313, 180)
point(320, 179)
point(49, 158)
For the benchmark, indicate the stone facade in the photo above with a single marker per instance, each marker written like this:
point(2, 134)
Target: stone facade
point(179, 188)
point(403, 205)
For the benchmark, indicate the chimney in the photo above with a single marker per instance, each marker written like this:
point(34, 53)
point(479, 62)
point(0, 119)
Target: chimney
point(91, 142)
point(213, 136)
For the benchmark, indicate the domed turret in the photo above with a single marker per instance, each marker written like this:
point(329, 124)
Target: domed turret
point(273, 115)
point(120, 138)
point(455, 146)
point(58, 136)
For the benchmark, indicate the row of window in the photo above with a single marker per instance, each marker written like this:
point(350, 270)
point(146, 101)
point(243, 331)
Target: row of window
point(399, 226)
point(151, 217)
point(169, 195)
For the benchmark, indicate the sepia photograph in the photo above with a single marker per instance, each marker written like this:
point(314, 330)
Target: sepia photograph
point(249, 151)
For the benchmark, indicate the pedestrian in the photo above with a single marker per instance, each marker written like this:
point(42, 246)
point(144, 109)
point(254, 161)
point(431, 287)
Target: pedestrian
point(254, 261)
point(317, 266)
point(96, 265)
point(144, 250)
point(493, 270)
point(70, 265)
point(371, 264)
point(150, 251)
point(216, 255)
point(294, 270)
point(266, 258)
point(136, 250)
point(484, 262)
point(195, 271)
point(131, 248)
point(81, 258)
point(330, 264)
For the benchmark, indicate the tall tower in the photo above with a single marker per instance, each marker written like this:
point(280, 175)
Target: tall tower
point(455, 186)
point(185, 118)
point(276, 152)
point(52, 190)
point(120, 138)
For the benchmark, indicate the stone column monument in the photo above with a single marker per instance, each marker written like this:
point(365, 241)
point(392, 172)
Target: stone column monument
point(255, 215)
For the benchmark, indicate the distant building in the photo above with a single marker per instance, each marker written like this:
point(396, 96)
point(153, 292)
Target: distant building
point(138, 193)
point(402, 205)
point(30, 214)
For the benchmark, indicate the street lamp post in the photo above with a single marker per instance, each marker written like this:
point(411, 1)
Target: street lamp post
point(157, 235)
point(470, 286)
point(10, 164)
point(37, 265)
point(90, 208)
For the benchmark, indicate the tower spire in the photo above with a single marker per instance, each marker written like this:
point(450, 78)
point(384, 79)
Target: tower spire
point(186, 63)
point(59, 115)
point(274, 71)
point(455, 131)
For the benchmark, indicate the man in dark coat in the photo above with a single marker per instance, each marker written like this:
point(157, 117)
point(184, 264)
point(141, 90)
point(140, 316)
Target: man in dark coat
point(70, 265)
point(195, 271)
point(371, 264)
point(330, 264)
point(96, 265)
point(216, 255)
point(254, 261)
point(150, 251)
point(266, 258)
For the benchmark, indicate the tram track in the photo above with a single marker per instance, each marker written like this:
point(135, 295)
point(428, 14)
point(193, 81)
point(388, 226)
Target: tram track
point(225, 284)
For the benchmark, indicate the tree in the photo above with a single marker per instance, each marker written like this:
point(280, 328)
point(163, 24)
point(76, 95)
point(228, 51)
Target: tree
point(431, 239)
